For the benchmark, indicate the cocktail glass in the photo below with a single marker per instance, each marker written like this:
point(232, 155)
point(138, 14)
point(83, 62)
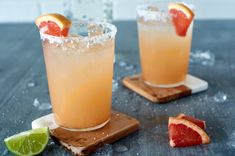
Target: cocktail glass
point(164, 55)
point(79, 72)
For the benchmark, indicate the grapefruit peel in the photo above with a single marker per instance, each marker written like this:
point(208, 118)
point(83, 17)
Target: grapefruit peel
point(198, 122)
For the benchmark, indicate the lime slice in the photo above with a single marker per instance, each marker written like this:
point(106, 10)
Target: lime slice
point(30, 142)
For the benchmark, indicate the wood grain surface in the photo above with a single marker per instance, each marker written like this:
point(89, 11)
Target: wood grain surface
point(120, 125)
point(159, 95)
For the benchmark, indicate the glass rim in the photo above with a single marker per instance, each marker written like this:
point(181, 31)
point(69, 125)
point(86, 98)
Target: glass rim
point(144, 6)
point(106, 35)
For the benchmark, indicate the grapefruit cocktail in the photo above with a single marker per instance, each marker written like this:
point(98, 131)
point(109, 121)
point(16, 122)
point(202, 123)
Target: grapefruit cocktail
point(79, 68)
point(165, 33)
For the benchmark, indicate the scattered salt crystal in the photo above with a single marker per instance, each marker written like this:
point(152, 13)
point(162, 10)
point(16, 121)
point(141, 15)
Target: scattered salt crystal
point(106, 150)
point(120, 148)
point(232, 66)
point(115, 85)
point(51, 143)
point(41, 106)
point(129, 67)
point(31, 84)
point(5, 152)
point(231, 141)
point(36, 103)
point(133, 109)
point(220, 97)
point(44, 106)
point(122, 64)
point(202, 57)
point(147, 103)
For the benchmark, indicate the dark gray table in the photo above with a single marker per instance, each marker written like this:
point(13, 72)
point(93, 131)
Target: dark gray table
point(23, 83)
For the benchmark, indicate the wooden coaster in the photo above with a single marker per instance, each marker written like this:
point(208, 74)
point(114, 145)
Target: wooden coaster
point(163, 95)
point(83, 143)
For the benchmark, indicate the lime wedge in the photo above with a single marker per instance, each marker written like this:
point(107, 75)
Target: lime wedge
point(30, 142)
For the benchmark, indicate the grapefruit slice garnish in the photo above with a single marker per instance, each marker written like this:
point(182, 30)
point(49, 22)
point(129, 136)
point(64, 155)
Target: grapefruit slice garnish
point(198, 122)
point(184, 133)
point(53, 24)
point(182, 17)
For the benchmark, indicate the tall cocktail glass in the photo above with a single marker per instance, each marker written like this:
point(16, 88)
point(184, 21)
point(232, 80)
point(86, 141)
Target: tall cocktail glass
point(164, 54)
point(79, 72)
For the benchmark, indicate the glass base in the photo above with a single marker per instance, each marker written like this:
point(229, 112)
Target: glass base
point(87, 129)
point(164, 86)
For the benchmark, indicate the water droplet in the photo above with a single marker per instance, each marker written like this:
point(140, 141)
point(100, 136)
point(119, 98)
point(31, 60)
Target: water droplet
point(36, 103)
point(220, 97)
point(137, 153)
point(44, 106)
point(202, 57)
point(120, 148)
point(31, 84)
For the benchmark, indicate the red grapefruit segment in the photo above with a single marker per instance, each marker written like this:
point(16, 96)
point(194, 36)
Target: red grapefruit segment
point(53, 24)
point(184, 133)
point(198, 122)
point(182, 17)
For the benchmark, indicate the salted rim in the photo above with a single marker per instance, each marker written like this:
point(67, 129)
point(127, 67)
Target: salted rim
point(110, 34)
point(142, 11)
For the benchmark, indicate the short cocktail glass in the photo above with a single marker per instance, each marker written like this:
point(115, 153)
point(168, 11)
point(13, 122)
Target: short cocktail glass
point(79, 72)
point(164, 55)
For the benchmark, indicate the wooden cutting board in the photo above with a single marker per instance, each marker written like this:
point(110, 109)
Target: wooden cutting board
point(83, 143)
point(192, 85)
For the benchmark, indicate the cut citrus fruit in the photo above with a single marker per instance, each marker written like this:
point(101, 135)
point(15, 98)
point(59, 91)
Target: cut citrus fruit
point(182, 17)
point(30, 142)
point(184, 133)
point(53, 24)
point(200, 123)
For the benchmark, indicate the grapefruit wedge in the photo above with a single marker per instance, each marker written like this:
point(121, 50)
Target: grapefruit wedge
point(184, 133)
point(53, 24)
point(182, 17)
point(200, 123)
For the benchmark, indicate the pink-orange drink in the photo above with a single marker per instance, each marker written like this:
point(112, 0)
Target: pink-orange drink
point(79, 71)
point(164, 54)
